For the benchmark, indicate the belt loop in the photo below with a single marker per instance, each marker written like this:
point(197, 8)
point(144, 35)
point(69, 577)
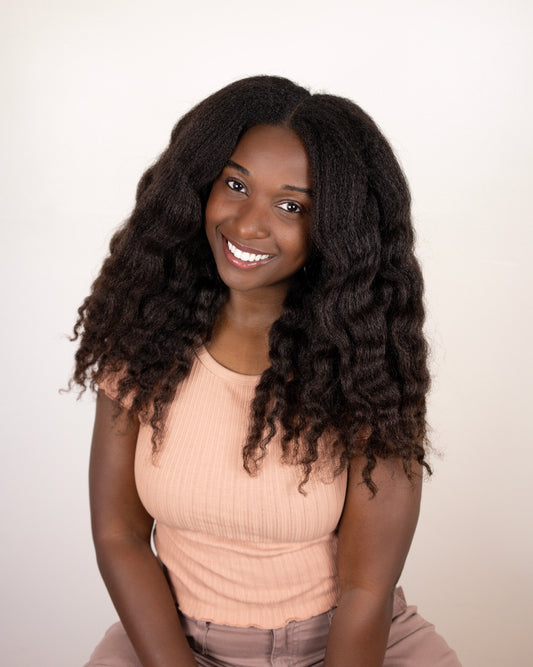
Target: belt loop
point(204, 639)
point(273, 648)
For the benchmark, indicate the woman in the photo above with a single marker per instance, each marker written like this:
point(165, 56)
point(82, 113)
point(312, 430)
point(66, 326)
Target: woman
point(256, 335)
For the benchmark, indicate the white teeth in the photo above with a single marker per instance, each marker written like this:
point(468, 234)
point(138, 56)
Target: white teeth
point(245, 256)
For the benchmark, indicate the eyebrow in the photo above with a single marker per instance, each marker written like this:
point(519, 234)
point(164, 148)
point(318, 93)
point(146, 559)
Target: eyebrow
point(238, 167)
point(306, 191)
point(243, 170)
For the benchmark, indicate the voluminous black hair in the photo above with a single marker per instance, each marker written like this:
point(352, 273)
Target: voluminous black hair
point(348, 356)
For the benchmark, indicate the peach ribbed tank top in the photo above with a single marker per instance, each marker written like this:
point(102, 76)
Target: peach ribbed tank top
point(239, 550)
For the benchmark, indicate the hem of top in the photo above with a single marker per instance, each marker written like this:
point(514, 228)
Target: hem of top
point(275, 626)
point(212, 365)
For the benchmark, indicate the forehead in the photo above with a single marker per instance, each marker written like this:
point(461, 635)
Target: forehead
point(274, 150)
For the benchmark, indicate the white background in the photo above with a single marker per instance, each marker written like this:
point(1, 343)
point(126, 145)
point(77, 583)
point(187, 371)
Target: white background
point(89, 93)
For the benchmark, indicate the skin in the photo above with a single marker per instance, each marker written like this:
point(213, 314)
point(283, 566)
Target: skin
point(261, 203)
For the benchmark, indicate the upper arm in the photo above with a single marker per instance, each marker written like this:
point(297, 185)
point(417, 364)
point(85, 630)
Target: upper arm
point(116, 509)
point(375, 533)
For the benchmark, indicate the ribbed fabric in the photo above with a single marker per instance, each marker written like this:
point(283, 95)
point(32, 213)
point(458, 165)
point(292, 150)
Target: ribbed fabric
point(239, 550)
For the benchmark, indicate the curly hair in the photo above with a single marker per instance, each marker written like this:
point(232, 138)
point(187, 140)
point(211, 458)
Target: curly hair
point(348, 356)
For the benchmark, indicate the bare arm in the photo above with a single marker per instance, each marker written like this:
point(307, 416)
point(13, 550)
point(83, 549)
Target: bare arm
point(121, 532)
point(374, 538)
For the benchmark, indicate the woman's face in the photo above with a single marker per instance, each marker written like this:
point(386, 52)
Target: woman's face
point(259, 211)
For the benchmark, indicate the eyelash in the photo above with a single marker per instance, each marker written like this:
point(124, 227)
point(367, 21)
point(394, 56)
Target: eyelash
point(301, 210)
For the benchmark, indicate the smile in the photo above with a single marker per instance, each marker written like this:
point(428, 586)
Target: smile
point(245, 256)
point(242, 258)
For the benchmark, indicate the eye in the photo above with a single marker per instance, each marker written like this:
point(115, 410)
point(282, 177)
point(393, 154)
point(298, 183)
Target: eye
point(292, 207)
point(235, 185)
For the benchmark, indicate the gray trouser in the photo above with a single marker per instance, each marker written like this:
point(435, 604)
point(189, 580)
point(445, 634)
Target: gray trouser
point(412, 642)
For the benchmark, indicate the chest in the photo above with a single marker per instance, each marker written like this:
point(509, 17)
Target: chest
point(197, 480)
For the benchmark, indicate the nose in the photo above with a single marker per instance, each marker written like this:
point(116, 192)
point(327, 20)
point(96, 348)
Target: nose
point(251, 220)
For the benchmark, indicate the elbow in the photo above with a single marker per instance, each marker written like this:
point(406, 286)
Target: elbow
point(380, 597)
point(117, 554)
point(110, 533)
point(109, 546)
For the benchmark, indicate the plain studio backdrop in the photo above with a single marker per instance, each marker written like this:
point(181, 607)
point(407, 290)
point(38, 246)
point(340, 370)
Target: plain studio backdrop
point(90, 92)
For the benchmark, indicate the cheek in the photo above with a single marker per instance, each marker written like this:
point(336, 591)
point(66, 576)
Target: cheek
point(208, 210)
point(300, 244)
point(210, 217)
point(214, 211)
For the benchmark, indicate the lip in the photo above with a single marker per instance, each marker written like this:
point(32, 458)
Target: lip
point(239, 263)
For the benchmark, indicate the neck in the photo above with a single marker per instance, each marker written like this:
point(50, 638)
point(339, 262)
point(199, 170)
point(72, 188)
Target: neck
point(239, 339)
point(252, 312)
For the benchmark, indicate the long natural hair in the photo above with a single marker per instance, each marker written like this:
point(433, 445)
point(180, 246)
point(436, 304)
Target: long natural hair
point(348, 356)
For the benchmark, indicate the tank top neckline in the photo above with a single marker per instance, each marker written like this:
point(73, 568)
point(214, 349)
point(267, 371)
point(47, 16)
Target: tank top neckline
point(221, 371)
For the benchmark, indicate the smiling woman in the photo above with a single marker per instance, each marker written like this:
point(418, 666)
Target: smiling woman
point(256, 335)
